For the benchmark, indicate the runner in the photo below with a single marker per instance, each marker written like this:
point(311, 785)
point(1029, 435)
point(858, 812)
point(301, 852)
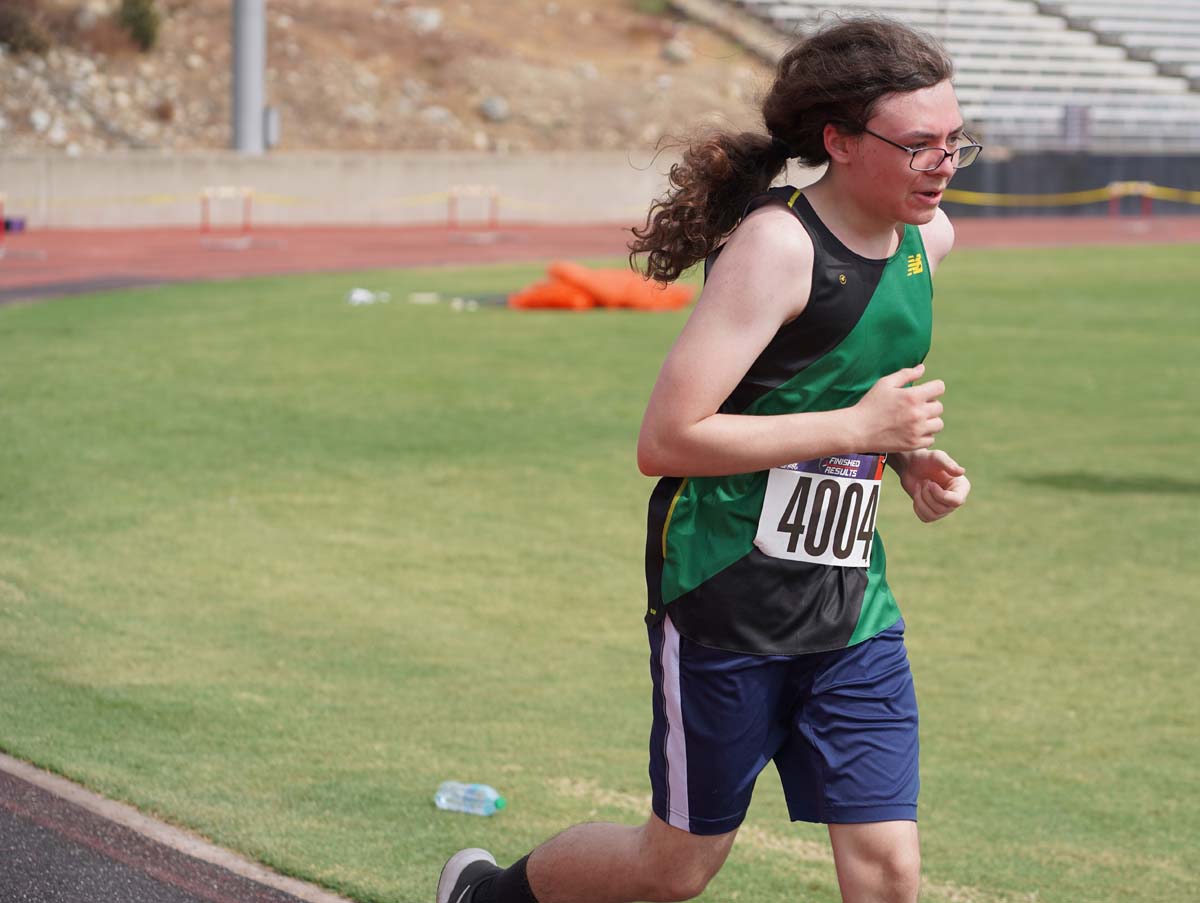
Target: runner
point(773, 633)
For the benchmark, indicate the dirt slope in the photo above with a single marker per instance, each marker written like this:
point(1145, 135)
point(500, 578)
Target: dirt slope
point(381, 75)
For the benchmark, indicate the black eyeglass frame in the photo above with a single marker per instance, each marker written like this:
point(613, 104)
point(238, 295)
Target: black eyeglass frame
point(913, 151)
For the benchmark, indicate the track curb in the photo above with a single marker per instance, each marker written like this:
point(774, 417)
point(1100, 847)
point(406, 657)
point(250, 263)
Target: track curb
point(177, 839)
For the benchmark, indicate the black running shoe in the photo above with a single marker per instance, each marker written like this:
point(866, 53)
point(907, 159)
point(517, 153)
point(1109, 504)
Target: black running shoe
point(462, 873)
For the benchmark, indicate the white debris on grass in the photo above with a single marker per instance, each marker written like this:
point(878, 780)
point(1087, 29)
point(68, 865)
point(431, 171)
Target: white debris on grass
point(360, 296)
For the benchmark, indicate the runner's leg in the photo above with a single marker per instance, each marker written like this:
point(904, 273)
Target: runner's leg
point(605, 863)
point(718, 719)
point(878, 862)
point(853, 764)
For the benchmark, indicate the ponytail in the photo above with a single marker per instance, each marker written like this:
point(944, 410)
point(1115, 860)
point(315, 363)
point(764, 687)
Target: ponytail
point(710, 188)
point(837, 74)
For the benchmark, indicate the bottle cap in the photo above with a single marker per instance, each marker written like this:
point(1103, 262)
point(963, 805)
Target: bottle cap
point(500, 803)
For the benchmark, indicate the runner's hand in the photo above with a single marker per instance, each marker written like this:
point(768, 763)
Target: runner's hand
point(936, 482)
point(896, 417)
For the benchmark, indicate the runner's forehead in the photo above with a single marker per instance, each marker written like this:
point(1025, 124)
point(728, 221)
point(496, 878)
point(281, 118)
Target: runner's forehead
point(924, 114)
point(917, 135)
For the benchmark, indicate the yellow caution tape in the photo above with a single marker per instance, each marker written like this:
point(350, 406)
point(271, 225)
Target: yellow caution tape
point(416, 200)
point(1069, 198)
point(265, 198)
point(282, 200)
point(1161, 193)
point(288, 200)
point(149, 200)
point(975, 198)
point(984, 199)
point(520, 204)
point(511, 203)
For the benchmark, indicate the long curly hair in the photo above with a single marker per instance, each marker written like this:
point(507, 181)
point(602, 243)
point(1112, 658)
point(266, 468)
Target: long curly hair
point(836, 74)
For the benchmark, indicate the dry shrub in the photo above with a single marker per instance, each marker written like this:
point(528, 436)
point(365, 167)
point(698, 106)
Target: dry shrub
point(141, 19)
point(22, 26)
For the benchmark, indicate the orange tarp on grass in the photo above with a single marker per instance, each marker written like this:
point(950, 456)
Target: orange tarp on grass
point(575, 287)
point(552, 295)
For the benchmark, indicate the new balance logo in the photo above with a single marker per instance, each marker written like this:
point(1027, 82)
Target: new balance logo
point(915, 264)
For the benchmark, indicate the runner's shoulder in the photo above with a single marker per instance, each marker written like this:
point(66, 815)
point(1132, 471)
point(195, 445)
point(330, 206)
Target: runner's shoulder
point(938, 236)
point(776, 230)
point(770, 247)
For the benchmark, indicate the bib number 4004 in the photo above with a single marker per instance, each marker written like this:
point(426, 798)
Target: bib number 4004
point(818, 518)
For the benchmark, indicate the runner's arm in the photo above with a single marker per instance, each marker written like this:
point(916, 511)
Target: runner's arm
point(936, 482)
point(938, 237)
point(762, 280)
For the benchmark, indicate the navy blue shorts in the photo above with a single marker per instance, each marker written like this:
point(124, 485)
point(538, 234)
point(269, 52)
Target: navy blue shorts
point(840, 726)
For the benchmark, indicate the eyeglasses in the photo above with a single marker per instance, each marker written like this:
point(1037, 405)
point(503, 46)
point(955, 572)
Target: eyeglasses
point(927, 159)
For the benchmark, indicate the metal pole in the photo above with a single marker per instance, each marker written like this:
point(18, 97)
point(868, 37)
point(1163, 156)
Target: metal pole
point(249, 67)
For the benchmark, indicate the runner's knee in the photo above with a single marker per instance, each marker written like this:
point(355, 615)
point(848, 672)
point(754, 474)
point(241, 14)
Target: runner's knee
point(680, 865)
point(896, 876)
point(902, 870)
point(676, 881)
point(880, 862)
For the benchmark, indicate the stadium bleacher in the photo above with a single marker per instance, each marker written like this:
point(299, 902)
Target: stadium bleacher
point(1165, 32)
point(1107, 75)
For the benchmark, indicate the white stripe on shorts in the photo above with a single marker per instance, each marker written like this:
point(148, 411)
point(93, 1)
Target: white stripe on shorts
point(676, 751)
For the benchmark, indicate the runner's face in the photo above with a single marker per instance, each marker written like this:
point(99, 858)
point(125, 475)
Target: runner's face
point(928, 117)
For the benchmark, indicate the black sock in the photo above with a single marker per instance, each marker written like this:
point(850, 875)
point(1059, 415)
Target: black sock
point(508, 886)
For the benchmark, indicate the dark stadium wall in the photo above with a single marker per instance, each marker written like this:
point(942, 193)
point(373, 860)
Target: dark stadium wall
point(1057, 173)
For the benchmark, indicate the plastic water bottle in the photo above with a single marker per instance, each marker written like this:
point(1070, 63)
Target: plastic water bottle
point(475, 799)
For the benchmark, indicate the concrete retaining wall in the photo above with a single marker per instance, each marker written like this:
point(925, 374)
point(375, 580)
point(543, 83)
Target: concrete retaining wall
point(154, 188)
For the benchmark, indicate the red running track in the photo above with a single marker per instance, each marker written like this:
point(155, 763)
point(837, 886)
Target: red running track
point(52, 263)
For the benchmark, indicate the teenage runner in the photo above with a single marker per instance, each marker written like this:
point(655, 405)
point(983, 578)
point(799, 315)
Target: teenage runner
point(773, 634)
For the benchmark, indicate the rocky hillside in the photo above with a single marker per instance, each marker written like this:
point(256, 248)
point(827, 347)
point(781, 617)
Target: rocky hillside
point(381, 75)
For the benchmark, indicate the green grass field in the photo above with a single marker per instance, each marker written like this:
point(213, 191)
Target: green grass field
point(272, 566)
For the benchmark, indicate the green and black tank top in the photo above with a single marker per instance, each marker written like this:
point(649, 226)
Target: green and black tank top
point(787, 561)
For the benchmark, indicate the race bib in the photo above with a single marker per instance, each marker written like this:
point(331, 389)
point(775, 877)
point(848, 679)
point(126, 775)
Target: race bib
point(822, 511)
